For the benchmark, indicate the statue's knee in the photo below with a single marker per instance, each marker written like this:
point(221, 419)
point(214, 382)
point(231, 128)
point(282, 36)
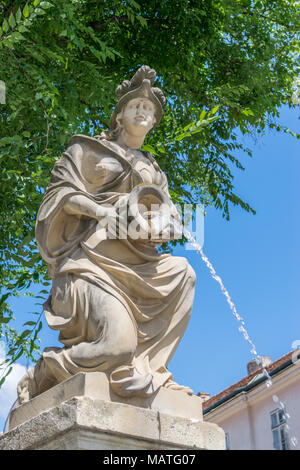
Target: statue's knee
point(124, 348)
point(60, 295)
point(123, 358)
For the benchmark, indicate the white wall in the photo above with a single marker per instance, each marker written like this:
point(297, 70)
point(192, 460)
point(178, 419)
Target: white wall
point(247, 419)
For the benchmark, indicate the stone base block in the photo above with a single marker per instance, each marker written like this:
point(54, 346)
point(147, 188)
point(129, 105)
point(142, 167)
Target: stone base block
point(83, 423)
point(96, 385)
point(83, 413)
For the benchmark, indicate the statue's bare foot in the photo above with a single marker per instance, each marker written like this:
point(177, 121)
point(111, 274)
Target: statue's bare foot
point(181, 388)
point(26, 387)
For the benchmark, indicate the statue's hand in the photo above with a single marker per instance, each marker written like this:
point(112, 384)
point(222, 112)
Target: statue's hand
point(106, 212)
point(114, 220)
point(107, 217)
point(162, 227)
point(175, 214)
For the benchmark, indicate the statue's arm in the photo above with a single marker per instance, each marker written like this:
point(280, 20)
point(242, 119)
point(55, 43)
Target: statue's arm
point(80, 205)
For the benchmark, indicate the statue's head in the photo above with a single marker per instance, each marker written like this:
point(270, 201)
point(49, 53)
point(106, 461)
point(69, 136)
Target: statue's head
point(137, 117)
point(139, 107)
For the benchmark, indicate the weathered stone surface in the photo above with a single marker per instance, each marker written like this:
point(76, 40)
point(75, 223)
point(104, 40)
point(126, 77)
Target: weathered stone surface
point(86, 423)
point(96, 385)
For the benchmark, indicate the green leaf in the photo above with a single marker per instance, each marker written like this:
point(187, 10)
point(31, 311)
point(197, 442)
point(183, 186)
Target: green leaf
point(39, 11)
point(149, 148)
point(5, 26)
point(22, 29)
point(20, 353)
point(12, 21)
point(45, 5)
point(26, 11)
point(248, 112)
point(142, 20)
point(17, 36)
point(215, 109)
point(25, 333)
point(203, 112)
point(18, 15)
point(4, 297)
point(8, 372)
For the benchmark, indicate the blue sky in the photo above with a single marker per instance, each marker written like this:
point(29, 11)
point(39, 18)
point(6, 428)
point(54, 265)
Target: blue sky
point(258, 258)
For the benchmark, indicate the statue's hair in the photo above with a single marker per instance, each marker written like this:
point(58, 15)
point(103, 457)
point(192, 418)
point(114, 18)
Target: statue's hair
point(112, 134)
point(139, 86)
point(144, 72)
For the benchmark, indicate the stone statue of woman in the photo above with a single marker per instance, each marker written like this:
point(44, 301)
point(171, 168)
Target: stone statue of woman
point(121, 307)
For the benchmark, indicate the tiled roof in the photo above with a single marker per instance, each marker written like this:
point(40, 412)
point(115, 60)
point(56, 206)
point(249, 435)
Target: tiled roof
point(245, 381)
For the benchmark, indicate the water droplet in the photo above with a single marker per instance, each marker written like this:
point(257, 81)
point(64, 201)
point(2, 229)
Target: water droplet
point(266, 374)
point(269, 383)
point(294, 441)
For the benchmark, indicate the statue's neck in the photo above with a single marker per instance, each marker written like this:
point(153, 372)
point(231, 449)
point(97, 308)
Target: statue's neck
point(130, 141)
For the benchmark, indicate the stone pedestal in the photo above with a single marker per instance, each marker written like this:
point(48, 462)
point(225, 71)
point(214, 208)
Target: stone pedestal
point(82, 413)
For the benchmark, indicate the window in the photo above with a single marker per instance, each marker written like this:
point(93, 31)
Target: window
point(279, 430)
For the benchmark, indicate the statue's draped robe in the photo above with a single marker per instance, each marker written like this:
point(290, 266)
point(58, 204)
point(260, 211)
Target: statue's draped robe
point(155, 289)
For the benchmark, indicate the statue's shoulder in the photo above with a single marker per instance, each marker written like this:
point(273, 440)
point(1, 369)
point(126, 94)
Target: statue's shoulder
point(92, 147)
point(154, 162)
point(91, 143)
point(149, 156)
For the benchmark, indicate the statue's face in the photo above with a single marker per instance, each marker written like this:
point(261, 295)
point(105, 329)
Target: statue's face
point(138, 117)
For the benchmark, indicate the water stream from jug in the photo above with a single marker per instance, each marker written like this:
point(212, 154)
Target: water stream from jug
point(242, 324)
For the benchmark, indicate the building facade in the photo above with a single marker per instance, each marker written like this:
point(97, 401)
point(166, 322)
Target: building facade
point(256, 415)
